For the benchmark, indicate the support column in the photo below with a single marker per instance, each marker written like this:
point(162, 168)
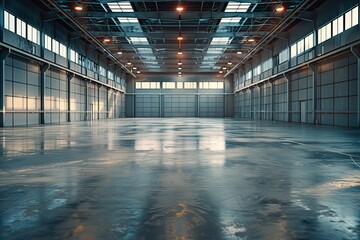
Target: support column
point(86, 101)
point(314, 91)
point(4, 53)
point(287, 96)
point(251, 107)
point(70, 76)
point(2, 8)
point(98, 101)
point(271, 101)
point(43, 70)
point(356, 53)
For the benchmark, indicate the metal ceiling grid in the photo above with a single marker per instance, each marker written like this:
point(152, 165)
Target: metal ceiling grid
point(158, 23)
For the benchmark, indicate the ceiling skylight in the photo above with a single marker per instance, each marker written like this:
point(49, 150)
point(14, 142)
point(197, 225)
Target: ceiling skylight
point(138, 40)
point(120, 7)
point(230, 20)
point(220, 40)
point(127, 20)
point(237, 7)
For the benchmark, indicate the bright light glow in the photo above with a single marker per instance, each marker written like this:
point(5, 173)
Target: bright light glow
point(220, 40)
point(229, 63)
point(107, 40)
point(139, 40)
point(251, 40)
point(239, 53)
point(78, 7)
point(237, 7)
point(134, 68)
point(179, 8)
point(179, 73)
point(119, 53)
point(121, 7)
point(180, 37)
point(179, 68)
point(230, 20)
point(127, 20)
point(180, 52)
point(224, 68)
point(138, 71)
point(128, 63)
point(280, 8)
point(220, 72)
point(179, 63)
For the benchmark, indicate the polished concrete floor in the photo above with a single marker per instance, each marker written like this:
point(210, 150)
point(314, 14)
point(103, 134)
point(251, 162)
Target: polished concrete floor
point(179, 179)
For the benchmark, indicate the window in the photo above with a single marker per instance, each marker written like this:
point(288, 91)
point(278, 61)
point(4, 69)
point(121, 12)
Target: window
point(300, 46)
point(268, 64)
point(352, 18)
point(9, 21)
point(190, 85)
point(155, 85)
point(55, 46)
point(102, 71)
point(48, 41)
point(110, 75)
point(338, 25)
point(20, 28)
point(168, 85)
point(284, 55)
point(293, 51)
point(211, 85)
point(248, 75)
point(179, 85)
point(33, 34)
point(147, 85)
point(74, 56)
point(324, 33)
point(309, 42)
point(257, 70)
point(63, 50)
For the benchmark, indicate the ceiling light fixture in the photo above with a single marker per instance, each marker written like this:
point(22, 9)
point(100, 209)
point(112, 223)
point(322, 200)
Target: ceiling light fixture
point(119, 53)
point(239, 52)
point(134, 68)
point(128, 63)
point(179, 63)
point(180, 52)
point(179, 68)
point(138, 71)
point(251, 40)
point(220, 71)
point(78, 6)
point(229, 63)
point(180, 37)
point(179, 73)
point(179, 8)
point(280, 8)
point(224, 68)
point(107, 40)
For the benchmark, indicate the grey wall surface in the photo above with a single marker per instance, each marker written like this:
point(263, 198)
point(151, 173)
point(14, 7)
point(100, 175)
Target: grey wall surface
point(23, 96)
point(180, 102)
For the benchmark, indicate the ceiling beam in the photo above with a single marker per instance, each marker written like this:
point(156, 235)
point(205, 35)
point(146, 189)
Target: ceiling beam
point(172, 16)
point(184, 47)
point(172, 35)
point(241, 1)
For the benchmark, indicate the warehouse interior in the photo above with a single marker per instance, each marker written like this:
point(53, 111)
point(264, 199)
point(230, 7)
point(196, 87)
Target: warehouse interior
point(137, 119)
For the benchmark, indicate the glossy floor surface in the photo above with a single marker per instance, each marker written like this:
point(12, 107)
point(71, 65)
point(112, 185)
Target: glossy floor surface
point(179, 179)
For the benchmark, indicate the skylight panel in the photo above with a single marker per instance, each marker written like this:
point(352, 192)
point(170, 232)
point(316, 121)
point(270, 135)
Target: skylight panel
point(230, 20)
point(215, 50)
point(121, 7)
point(127, 20)
point(138, 40)
point(237, 7)
point(220, 40)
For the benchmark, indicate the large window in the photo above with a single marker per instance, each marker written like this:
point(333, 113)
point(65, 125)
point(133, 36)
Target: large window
point(55, 46)
point(309, 42)
point(9, 21)
point(190, 85)
point(169, 85)
point(33, 34)
point(338, 25)
point(211, 85)
point(147, 85)
point(74, 56)
point(48, 41)
point(257, 70)
point(284, 55)
point(63, 50)
point(352, 18)
point(102, 71)
point(267, 65)
point(249, 75)
point(21, 28)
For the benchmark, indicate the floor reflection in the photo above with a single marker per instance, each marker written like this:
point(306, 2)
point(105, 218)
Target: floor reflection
point(179, 179)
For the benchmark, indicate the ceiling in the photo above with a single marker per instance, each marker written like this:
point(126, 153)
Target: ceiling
point(145, 32)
